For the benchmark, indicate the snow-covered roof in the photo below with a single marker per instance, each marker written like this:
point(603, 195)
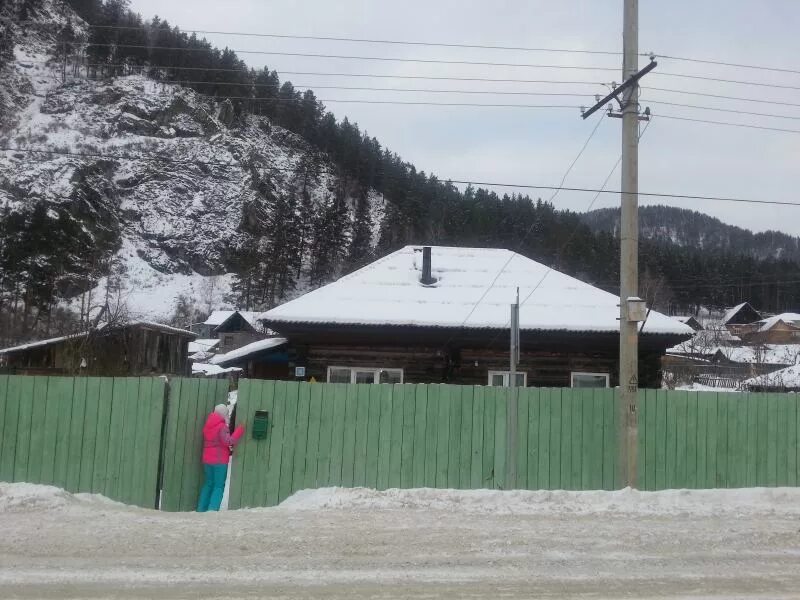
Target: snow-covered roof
point(245, 351)
point(211, 370)
point(788, 318)
point(474, 289)
point(786, 378)
point(203, 345)
point(218, 317)
point(771, 354)
point(731, 312)
point(102, 328)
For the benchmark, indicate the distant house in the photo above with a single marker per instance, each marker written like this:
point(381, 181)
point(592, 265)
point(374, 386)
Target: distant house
point(233, 329)
point(263, 359)
point(131, 349)
point(780, 329)
point(404, 319)
point(741, 318)
point(691, 322)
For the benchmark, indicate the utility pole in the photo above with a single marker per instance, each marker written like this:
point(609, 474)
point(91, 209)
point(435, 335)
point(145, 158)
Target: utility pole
point(513, 401)
point(629, 247)
point(632, 310)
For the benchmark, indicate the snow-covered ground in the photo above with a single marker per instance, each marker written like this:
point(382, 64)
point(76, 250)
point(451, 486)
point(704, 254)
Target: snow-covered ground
point(411, 543)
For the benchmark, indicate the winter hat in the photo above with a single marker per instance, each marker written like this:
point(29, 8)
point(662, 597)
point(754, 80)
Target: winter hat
point(222, 411)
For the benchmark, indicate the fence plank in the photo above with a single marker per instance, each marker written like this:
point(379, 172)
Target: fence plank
point(681, 409)
point(746, 433)
point(269, 481)
point(396, 447)
point(542, 480)
point(65, 396)
point(362, 432)
point(285, 472)
point(692, 408)
point(39, 430)
point(586, 405)
point(385, 436)
point(432, 405)
point(301, 437)
point(528, 455)
point(609, 439)
point(325, 435)
point(421, 398)
point(407, 452)
point(500, 437)
point(465, 455)
point(478, 421)
point(649, 407)
point(702, 480)
point(487, 470)
point(791, 440)
point(567, 432)
point(188, 448)
point(10, 401)
point(349, 441)
point(314, 425)
point(782, 439)
point(372, 448)
point(152, 438)
point(454, 435)
point(443, 436)
point(77, 435)
point(556, 481)
point(771, 474)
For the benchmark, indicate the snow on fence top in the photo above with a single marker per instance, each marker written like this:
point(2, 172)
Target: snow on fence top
point(389, 292)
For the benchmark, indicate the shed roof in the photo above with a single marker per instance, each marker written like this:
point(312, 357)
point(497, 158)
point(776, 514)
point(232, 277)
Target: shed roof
point(218, 317)
point(474, 289)
point(248, 350)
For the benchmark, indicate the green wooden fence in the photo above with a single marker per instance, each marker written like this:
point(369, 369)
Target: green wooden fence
point(190, 402)
point(710, 440)
point(404, 436)
point(99, 435)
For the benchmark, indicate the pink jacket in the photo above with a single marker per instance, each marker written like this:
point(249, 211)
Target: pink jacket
point(217, 440)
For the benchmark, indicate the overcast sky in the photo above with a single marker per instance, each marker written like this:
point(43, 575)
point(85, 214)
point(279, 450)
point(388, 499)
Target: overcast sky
point(536, 145)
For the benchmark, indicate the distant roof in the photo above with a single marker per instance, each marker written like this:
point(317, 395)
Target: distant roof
point(100, 329)
point(203, 345)
point(732, 312)
point(248, 350)
point(218, 317)
point(475, 288)
point(785, 378)
point(769, 354)
point(788, 318)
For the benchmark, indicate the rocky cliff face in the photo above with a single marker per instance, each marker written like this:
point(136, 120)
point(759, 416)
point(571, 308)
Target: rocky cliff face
point(147, 184)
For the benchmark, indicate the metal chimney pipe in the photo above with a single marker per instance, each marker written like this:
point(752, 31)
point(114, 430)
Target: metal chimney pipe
point(427, 277)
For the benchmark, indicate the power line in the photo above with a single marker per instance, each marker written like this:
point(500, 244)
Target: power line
point(529, 230)
point(735, 81)
point(350, 57)
point(722, 96)
point(487, 184)
point(728, 123)
point(727, 110)
point(398, 102)
point(376, 41)
point(729, 64)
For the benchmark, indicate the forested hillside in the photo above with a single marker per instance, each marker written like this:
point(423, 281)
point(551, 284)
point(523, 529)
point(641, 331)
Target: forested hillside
point(693, 229)
point(134, 170)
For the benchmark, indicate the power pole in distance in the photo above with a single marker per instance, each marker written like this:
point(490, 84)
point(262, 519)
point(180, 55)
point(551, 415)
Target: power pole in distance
point(631, 306)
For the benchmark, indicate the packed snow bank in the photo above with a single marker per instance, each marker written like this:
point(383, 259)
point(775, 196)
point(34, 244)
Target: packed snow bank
point(628, 501)
point(24, 497)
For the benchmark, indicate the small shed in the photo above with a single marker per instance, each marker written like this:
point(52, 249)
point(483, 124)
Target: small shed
point(130, 349)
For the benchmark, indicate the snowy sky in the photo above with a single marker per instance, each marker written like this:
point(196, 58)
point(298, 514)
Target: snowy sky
point(535, 146)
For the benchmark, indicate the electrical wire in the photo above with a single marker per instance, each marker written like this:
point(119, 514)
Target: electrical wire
point(727, 110)
point(529, 230)
point(729, 64)
point(721, 96)
point(473, 182)
point(720, 80)
point(727, 123)
point(350, 57)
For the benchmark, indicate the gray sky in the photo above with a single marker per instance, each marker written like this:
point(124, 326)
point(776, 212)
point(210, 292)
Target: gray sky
point(535, 146)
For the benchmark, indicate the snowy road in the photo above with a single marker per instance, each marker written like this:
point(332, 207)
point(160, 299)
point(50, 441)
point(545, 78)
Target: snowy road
point(420, 544)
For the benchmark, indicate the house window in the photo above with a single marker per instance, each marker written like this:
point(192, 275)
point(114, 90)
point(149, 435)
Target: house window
point(501, 379)
point(589, 380)
point(364, 375)
point(227, 340)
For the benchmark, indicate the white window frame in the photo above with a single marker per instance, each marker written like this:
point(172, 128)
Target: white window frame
point(507, 377)
point(574, 373)
point(375, 371)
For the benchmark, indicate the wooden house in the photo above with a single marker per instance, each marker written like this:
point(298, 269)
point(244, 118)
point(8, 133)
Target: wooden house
point(131, 349)
point(233, 329)
point(446, 320)
point(780, 329)
point(741, 319)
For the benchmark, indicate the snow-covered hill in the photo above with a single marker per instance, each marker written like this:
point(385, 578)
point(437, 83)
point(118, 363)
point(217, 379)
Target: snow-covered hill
point(162, 186)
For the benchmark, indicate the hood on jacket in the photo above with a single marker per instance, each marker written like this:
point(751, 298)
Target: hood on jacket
point(213, 422)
